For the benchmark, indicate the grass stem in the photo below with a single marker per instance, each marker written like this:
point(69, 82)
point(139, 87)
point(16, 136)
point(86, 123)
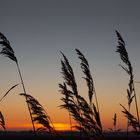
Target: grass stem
point(24, 90)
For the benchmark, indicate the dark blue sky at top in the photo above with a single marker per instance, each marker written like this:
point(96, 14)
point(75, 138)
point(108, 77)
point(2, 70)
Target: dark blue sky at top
point(39, 29)
point(65, 23)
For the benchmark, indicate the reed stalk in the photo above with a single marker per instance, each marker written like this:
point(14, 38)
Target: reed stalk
point(115, 121)
point(24, 90)
point(84, 113)
point(2, 121)
point(89, 80)
point(38, 113)
point(8, 51)
point(131, 93)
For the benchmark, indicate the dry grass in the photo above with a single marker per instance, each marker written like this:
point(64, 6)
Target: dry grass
point(2, 121)
point(84, 113)
point(39, 115)
point(9, 52)
point(8, 92)
point(131, 93)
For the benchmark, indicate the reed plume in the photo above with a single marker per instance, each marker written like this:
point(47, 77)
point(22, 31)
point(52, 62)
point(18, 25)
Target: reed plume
point(65, 92)
point(38, 113)
point(131, 93)
point(89, 80)
point(68, 75)
point(6, 48)
point(40, 116)
point(133, 121)
point(69, 78)
point(84, 113)
point(88, 77)
point(115, 121)
point(2, 121)
point(114, 129)
point(8, 51)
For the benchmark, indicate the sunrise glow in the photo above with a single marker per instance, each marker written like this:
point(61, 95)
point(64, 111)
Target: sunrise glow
point(28, 126)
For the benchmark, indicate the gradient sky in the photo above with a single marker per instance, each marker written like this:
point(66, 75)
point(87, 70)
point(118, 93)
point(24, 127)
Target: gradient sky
point(39, 29)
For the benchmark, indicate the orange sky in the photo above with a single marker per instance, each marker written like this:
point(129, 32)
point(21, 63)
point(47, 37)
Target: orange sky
point(18, 127)
point(21, 121)
point(16, 115)
point(57, 126)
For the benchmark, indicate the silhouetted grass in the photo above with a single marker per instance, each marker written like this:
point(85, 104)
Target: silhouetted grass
point(89, 80)
point(132, 119)
point(2, 121)
point(115, 129)
point(8, 92)
point(115, 121)
point(84, 113)
point(9, 52)
point(40, 116)
point(38, 113)
point(131, 93)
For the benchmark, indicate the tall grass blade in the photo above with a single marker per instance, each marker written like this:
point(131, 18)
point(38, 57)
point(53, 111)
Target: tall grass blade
point(38, 113)
point(115, 121)
point(97, 117)
point(68, 75)
point(8, 91)
point(23, 86)
point(90, 84)
point(9, 52)
point(40, 116)
point(66, 93)
point(131, 93)
point(2, 121)
point(128, 68)
point(87, 73)
point(133, 122)
point(85, 114)
point(6, 48)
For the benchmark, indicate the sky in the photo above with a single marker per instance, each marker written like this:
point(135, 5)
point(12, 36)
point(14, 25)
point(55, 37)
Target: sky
point(39, 29)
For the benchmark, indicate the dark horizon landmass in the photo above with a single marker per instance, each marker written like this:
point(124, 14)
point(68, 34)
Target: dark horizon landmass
point(64, 135)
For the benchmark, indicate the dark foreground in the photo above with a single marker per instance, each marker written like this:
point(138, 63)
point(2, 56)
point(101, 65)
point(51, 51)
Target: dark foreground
point(65, 136)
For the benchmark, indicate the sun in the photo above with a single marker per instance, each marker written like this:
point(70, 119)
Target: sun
point(28, 126)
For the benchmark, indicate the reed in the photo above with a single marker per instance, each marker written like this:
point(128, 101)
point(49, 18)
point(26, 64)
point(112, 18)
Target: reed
point(38, 113)
point(65, 91)
point(85, 114)
point(2, 121)
point(131, 93)
point(115, 121)
point(115, 129)
point(88, 77)
point(89, 80)
point(69, 78)
point(9, 52)
point(133, 121)
point(40, 116)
